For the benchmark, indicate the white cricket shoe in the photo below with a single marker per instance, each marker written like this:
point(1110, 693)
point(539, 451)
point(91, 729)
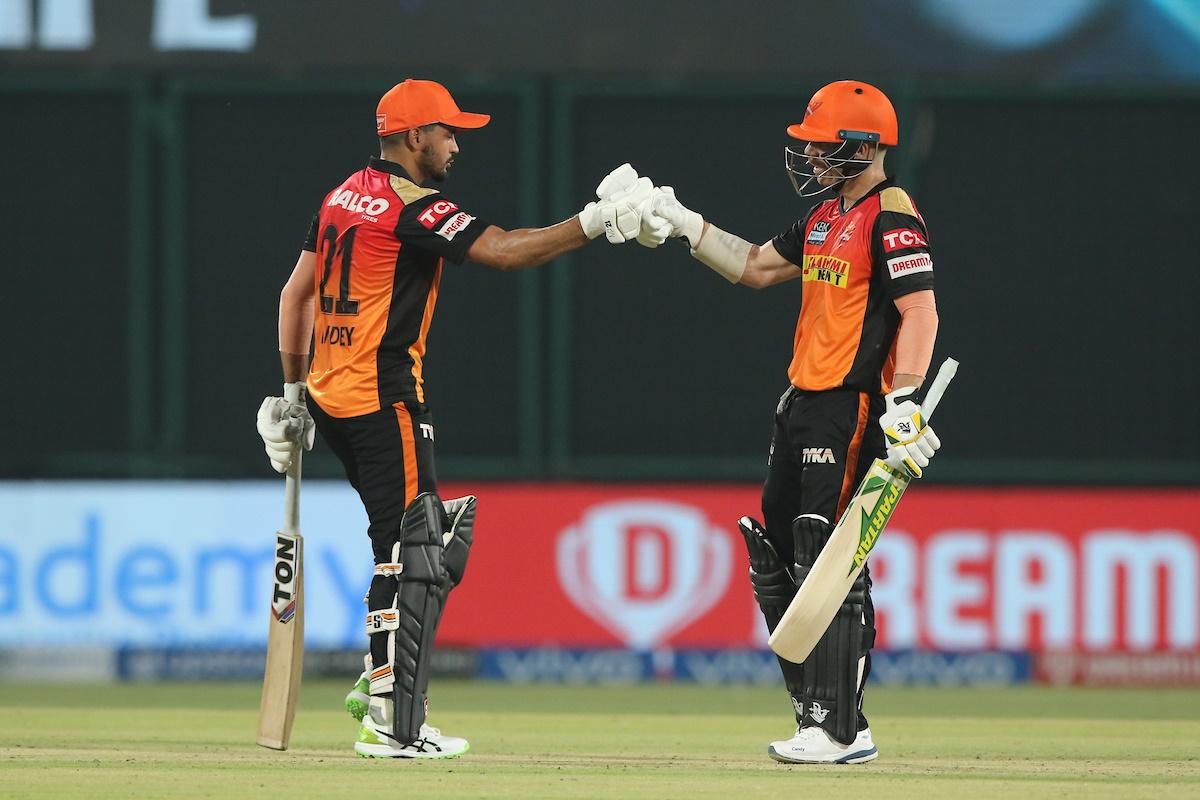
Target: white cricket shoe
point(375, 741)
point(812, 745)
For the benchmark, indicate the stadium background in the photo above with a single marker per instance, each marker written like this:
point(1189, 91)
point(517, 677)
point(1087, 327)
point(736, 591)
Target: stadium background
point(162, 160)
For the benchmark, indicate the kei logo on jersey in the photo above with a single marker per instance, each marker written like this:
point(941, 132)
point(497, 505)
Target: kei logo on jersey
point(818, 233)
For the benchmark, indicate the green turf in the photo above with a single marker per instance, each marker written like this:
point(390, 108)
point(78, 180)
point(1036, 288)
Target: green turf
point(645, 742)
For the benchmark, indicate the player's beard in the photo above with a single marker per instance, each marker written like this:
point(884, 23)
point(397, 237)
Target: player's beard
point(435, 172)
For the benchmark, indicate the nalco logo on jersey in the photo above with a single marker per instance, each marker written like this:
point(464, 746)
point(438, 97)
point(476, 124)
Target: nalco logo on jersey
point(359, 204)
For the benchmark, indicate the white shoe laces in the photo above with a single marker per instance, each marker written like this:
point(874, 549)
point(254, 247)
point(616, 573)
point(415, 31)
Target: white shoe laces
point(809, 733)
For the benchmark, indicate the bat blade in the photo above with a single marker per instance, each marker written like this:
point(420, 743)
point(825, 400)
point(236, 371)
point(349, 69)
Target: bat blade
point(285, 645)
point(844, 555)
point(839, 564)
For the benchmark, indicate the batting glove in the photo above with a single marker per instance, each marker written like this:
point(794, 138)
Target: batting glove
point(655, 228)
point(285, 425)
point(620, 192)
point(910, 441)
point(683, 221)
point(618, 218)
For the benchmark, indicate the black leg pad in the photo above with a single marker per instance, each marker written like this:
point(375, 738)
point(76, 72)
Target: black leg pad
point(773, 589)
point(832, 691)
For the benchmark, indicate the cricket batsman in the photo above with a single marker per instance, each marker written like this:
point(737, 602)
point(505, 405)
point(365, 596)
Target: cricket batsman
point(363, 292)
point(863, 344)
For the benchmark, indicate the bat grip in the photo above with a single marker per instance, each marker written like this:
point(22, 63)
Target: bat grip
point(944, 375)
point(291, 496)
point(291, 490)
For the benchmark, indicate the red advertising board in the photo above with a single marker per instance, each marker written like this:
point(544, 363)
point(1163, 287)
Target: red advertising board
point(661, 566)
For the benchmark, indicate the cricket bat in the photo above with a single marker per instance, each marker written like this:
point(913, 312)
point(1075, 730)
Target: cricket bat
point(285, 637)
point(843, 556)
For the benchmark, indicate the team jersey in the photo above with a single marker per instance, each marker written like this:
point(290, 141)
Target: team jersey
point(855, 264)
point(380, 241)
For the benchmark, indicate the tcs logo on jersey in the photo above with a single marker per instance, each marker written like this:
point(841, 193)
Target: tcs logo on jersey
point(902, 238)
point(437, 218)
point(437, 211)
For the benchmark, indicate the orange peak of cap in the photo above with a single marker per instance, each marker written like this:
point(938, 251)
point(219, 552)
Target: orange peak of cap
point(414, 103)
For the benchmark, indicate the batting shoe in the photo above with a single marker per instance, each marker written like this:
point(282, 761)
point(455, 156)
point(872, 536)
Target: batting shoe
point(358, 700)
point(812, 745)
point(376, 741)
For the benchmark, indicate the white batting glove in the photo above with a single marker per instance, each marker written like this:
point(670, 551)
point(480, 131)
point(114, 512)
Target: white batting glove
point(285, 425)
point(619, 218)
point(655, 229)
point(619, 180)
point(910, 440)
point(683, 221)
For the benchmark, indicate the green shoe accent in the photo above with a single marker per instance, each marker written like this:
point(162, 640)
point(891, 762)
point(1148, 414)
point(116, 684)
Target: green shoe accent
point(358, 700)
point(357, 708)
point(367, 736)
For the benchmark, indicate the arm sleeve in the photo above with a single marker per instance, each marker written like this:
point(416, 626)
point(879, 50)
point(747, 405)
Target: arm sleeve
point(901, 247)
point(310, 241)
point(436, 223)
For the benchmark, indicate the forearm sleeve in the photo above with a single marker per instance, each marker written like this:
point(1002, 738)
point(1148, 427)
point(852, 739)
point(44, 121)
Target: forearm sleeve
point(914, 341)
point(723, 252)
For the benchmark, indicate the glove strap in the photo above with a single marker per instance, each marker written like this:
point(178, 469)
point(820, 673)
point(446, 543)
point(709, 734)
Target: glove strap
point(294, 392)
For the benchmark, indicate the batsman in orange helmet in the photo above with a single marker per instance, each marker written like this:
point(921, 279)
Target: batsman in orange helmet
point(863, 342)
point(363, 293)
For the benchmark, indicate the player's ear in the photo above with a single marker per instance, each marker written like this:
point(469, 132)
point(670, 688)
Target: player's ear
point(412, 138)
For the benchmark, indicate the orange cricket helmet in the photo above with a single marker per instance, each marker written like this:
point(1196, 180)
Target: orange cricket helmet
point(840, 118)
point(844, 108)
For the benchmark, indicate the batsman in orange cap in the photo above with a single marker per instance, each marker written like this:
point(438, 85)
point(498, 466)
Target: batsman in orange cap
point(363, 293)
point(863, 343)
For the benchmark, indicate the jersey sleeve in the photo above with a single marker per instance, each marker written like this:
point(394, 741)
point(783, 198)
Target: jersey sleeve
point(790, 243)
point(310, 241)
point(437, 224)
point(901, 247)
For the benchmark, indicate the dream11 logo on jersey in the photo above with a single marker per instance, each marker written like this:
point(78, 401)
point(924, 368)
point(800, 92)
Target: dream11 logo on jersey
point(644, 569)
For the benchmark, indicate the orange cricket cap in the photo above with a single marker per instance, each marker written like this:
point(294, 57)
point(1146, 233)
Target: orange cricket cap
point(414, 103)
point(847, 106)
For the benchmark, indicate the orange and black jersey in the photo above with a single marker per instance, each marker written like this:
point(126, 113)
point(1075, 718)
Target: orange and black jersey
point(855, 264)
point(380, 241)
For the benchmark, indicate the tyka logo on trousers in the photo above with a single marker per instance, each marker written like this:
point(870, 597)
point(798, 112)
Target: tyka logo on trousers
point(817, 455)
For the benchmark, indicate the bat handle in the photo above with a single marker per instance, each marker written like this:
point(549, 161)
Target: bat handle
point(291, 490)
point(944, 375)
point(291, 496)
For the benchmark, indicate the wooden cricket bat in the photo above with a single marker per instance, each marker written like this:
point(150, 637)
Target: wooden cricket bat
point(843, 556)
point(285, 637)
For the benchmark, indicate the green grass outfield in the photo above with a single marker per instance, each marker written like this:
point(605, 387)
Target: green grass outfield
point(643, 742)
